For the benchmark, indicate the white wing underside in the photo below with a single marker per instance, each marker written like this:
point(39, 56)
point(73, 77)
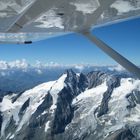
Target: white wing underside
point(24, 21)
point(32, 20)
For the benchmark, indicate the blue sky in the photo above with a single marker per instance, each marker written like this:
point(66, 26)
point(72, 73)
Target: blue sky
point(75, 49)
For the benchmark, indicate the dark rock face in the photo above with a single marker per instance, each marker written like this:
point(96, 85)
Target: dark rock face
point(16, 97)
point(24, 107)
point(133, 99)
point(1, 98)
point(1, 120)
point(11, 126)
point(64, 112)
point(83, 82)
point(95, 78)
point(135, 130)
point(125, 134)
point(37, 120)
point(46, 104)
point(112, 83)
point(76, 83)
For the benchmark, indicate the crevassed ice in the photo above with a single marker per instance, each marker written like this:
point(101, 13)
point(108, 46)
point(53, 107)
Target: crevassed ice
point(87, 102)
point(118, 104)
point(94, 92)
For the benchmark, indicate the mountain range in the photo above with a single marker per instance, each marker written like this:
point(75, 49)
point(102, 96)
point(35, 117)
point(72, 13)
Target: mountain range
point(76, 106)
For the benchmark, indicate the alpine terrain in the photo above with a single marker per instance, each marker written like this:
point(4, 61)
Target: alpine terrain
point(77, 106)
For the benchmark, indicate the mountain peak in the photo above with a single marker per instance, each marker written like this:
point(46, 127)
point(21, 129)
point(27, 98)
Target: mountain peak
point(70, 72)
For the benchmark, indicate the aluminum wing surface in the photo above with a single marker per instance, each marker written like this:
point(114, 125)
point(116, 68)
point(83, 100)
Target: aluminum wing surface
point(32, 20)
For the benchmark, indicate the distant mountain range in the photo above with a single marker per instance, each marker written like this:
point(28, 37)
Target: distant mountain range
point(18, 76)
point(77, 106)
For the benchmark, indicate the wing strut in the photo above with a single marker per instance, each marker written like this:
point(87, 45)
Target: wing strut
point(113, 54)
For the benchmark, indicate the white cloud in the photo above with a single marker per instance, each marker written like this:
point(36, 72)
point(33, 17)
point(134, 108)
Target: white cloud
point(80, 67)
point(87, 6)
point(13, 64)
point(118, 68)
point(19, 64)
point(39, 66)
point(3, 65)
point(124, 6)
point(3, 73)
point(24, 65)
point(39, 71)
point(49, 20)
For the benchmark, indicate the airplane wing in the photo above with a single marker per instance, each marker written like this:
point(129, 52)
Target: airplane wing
point(24, 21)
point(31, 20)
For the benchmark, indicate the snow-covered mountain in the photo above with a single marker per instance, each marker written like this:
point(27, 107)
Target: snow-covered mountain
point(93, 106)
